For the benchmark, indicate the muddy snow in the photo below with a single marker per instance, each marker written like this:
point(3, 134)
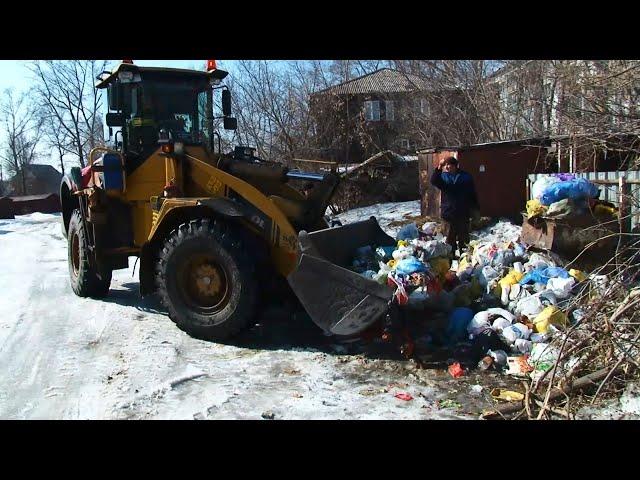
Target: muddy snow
point(65, 357)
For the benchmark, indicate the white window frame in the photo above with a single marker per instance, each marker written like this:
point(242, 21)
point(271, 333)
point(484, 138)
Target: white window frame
point(372, 114)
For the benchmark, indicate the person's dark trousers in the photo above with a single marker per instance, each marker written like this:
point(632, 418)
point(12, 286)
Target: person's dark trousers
point(457, 230)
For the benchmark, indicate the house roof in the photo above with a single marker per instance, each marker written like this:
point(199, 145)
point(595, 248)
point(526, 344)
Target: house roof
point(42, 171)
point(385, 80)
point(508, 68)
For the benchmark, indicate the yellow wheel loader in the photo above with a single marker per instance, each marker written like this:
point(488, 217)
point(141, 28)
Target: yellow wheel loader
point(212, 230)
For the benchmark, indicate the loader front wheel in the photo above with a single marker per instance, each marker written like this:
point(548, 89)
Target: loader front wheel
point(206, 280)
point(86, 281)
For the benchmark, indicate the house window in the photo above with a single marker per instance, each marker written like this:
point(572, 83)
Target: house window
point(424, 107)
point(389, 111)
point(372, 110)
point(404, 143)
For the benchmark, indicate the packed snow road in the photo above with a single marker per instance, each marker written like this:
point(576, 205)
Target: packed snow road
point(65, 357)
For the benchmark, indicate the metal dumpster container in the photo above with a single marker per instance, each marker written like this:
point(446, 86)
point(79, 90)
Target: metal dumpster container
point(569, 237)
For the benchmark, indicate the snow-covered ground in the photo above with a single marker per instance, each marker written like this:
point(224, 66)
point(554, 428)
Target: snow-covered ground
point(627, 407)
point(65, 357)
point(386, 213)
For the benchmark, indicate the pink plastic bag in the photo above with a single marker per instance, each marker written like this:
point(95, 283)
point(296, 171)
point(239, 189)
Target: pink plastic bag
point(403, 396)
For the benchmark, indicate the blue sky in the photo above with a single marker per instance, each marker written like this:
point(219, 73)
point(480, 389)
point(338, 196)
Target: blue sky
point(14, 73)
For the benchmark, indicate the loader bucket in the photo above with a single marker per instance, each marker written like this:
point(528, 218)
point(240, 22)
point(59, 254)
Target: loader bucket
point(337, 299)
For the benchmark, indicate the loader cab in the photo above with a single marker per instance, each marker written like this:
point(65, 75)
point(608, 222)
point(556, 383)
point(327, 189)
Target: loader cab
point(149, 105)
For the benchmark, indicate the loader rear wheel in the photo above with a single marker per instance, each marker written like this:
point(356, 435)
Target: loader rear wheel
point(86, 281)
point(206, 280)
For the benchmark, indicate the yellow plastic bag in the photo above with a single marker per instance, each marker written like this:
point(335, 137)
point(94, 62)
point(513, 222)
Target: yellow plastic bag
point(440, 266)
point(579, 275)
point(551, 315)
point(534, 207)
point(604, 210)
point(511, 278)
point(508, 395)
point(463, 264)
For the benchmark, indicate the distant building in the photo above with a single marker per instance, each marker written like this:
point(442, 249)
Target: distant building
point(47, 203)
point(372, 113)
point(590, 97)
point(40, 180)
point(6, 208)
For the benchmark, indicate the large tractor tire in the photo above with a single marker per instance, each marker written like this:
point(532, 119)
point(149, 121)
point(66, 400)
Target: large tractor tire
point(206, 280)
point(86, 281)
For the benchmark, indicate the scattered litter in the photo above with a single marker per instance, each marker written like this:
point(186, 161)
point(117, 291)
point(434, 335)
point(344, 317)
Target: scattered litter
point(508, 395)
point(499, 304)
point(518, 366)
point(476, 389)
point(368, 392)
point(455, 370)
point(449, 404)
point(403, 396)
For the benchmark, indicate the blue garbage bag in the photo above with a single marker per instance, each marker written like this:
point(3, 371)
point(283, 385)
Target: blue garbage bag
point(368, 274)
point(520, 250)
point(410, 265)
point(575, 189)
point(459, 319)
point(385, 253)
point(556, 272)
point(542, 275)
point(408, 232)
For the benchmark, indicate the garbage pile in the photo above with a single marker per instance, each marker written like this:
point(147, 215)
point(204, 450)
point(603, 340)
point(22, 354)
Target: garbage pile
point(565, 195)
point(504, 302)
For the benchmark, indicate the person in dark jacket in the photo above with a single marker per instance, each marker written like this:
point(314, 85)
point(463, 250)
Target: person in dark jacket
point(458, 201)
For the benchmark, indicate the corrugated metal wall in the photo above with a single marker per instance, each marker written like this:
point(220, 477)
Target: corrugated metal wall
point(608, 193)
point(429, 195)
point(499, 172)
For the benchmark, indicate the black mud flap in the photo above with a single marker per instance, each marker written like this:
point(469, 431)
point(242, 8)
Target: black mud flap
point(338, 300)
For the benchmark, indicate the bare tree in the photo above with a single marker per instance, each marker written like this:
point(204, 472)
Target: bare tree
point(593, 102)
point(277, 111)
point(456, 105)
point(272, 107)
point(2, 187)
point(70, 105)
point(22, 128)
